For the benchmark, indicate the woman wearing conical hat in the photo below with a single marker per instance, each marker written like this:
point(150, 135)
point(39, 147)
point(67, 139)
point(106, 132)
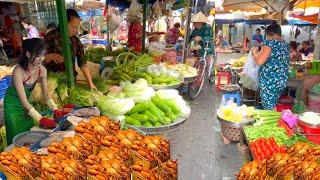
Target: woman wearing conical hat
point(202, 33)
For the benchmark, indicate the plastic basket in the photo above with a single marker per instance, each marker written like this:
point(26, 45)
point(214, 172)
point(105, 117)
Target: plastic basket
point(32, 137)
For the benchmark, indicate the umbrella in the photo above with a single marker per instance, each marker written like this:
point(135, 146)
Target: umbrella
point(307, 10)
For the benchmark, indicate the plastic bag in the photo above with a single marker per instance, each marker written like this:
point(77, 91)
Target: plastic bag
point(249, 79)
point(134, 10)
point(113, 22)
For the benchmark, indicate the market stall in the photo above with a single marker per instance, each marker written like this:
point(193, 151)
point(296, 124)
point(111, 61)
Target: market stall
point(268, 138)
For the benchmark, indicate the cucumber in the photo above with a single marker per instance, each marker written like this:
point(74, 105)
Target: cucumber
point(155, 111)
point(157, 124)
point(140, 107)
point(167, 121)
point(161, 104)
point(147, 124)
point(175, 109)
point(132, 121)
point(140, 117)
point(172, 116)
point(152, 118)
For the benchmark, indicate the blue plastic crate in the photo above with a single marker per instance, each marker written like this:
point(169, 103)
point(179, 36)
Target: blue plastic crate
point(2, 93)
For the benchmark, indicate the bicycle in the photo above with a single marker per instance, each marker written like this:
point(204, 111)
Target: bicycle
point(195, 87)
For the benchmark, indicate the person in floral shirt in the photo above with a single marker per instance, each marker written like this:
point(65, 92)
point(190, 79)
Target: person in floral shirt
point(53, 41)
point(135, 33)
point(274, 59)
point(202, 33)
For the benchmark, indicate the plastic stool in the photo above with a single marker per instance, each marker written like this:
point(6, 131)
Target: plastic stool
point(234, 96)
point(223, 74)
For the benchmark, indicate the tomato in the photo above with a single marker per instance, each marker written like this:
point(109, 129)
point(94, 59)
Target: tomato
point(267, 152)
point(283, 149)
point(273, 150)
point(258, 150)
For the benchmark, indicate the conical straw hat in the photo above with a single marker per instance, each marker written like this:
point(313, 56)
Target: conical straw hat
point(199, 17)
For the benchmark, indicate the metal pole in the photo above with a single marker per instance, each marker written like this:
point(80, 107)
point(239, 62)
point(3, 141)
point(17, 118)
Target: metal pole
point(145, 6)
point(317, 40)
point(63, 24)
point(187, 31)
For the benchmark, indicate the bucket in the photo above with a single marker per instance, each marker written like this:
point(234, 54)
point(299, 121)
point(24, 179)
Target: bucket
point(313, 101)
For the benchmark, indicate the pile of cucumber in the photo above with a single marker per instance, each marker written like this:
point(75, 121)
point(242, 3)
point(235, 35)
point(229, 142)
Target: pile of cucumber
point(156, 112)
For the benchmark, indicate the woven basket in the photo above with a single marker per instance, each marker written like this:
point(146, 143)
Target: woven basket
point(230, 132)
point(31, 137)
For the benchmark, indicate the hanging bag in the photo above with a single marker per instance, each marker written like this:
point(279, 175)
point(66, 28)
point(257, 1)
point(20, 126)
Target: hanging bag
point(249, 79)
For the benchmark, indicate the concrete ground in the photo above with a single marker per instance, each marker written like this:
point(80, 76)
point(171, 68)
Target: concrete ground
point(198, 146)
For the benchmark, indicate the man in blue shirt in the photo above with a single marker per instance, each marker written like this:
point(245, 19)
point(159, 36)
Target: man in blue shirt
point(257, 38)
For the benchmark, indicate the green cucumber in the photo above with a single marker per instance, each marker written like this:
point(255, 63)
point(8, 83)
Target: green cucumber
point(140, 117)
point(132, 121)
point(151, 117)
point(157, 124)
point(167, 121)
point(147, 124)
point(140, 107)
point(175, 109)
point(161, 104)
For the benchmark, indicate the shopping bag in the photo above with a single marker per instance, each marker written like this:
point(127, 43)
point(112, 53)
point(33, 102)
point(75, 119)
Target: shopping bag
point(249, 79)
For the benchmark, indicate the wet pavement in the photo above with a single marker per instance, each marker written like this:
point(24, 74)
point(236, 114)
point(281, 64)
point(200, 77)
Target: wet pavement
point(198, 146)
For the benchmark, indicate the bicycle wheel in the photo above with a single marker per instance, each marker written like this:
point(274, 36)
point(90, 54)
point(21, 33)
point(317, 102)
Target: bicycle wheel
point(195, 87)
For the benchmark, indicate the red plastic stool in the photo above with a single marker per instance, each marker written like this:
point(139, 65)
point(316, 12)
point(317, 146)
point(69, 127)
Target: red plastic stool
point(223, 74)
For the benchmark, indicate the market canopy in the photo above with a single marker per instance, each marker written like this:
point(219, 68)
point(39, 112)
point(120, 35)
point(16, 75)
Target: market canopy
point(306, 10)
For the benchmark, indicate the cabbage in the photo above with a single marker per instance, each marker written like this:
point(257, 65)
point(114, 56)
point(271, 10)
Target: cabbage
point(141, 96)
point(168, 94)
point(139, 91)
point(115, 106)
point(115, 95)
point(139, 85)
point(173, 95)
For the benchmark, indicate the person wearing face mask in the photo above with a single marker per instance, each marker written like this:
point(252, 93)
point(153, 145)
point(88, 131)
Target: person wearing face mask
point(202, 33)
point(53, 41)
point(274, 59)
point(19, 114)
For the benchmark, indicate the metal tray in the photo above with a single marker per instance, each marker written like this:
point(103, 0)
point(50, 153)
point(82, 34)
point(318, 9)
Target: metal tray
point(246, 121)
point(160, 129)
point(189, 79)
point(158, 87)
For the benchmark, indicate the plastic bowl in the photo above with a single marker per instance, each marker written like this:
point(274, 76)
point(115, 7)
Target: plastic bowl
point(29, 138)
point(308, 129)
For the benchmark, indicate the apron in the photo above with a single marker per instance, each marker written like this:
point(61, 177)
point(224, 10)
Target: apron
point(16, 116)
